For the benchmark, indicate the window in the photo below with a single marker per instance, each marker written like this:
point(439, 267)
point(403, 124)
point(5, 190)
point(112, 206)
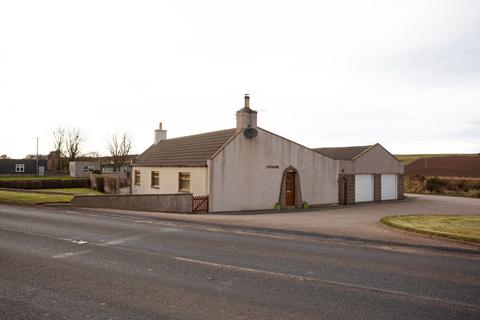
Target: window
point(19, 167)
point(184, 182)
point(136, 178)
point(86, 168)
point(155, 179)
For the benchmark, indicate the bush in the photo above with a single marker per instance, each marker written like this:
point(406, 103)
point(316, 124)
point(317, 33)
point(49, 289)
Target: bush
point(66, 183)
point(434, 184)
point(100, 184)
point(462, 185)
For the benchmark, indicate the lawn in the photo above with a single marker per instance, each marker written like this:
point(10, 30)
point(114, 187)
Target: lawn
point(74, 191)
point(460, 227)
point(32, 198)
point(37, 178)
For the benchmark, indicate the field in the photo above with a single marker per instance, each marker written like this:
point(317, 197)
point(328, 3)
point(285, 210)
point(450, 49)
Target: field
point(409, 158)
point(460, 227)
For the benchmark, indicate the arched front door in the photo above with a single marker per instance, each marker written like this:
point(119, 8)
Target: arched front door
point(290, 188)
point(290, 192)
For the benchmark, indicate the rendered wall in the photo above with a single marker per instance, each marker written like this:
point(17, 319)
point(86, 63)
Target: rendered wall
point(376, 160)
point(169, 180)
point(243, 175)
point(181, 203)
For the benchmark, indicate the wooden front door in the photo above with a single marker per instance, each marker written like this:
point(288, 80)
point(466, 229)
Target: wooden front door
point(290, 189)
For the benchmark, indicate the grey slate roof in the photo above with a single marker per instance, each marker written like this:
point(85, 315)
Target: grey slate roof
point(188, 151)
point(342, 153)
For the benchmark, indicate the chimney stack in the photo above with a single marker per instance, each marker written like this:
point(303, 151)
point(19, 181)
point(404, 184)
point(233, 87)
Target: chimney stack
point(246, 117)
point(160, 134)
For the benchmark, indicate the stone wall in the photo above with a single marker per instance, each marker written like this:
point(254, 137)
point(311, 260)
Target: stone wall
point(346, 183)
point(377, 187)
point(178, 203)
point(400, 191)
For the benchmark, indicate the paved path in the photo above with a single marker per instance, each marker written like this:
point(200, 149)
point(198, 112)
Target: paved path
point(361, 221)
point(58, 264)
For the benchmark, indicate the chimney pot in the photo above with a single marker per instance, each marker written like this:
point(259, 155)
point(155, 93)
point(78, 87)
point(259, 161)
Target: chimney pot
point(247, 101)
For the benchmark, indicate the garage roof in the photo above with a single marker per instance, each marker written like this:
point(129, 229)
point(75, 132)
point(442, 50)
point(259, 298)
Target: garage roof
point(188, 151)
point(342, 153)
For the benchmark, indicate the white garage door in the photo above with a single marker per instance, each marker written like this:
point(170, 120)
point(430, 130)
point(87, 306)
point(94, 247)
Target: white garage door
point(363, 187)
point(389, 186)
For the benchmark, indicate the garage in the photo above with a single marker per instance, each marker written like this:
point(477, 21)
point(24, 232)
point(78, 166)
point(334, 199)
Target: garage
point(389, 186)
point(363, 187)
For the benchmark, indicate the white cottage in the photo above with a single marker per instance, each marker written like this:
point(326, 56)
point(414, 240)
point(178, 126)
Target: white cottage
point(250, 168)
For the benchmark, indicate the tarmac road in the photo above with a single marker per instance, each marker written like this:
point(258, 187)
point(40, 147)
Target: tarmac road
point(58, 264)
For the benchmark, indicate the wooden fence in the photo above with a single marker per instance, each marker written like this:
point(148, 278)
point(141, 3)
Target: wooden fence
point(200, 204)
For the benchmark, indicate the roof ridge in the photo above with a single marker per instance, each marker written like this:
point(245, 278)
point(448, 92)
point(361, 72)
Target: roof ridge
point(198, 134)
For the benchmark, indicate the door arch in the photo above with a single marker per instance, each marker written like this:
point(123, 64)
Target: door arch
point(290, 192)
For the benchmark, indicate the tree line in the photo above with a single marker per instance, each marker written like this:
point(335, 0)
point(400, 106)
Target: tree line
point(68, 145)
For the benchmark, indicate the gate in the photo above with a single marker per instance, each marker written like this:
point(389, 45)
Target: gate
point(200, 204)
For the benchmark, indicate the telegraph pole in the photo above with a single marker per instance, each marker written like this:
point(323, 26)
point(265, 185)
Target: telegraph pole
point(36, 167)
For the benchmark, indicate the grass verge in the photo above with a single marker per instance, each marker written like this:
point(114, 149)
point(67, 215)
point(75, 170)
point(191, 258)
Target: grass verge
point(32, 198)
point(459, 227)
point(74, 191)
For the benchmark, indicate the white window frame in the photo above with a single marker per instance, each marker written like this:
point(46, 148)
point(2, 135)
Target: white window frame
point(19, 167)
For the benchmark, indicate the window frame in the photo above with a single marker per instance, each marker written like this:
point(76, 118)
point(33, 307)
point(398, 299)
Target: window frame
point(152, 185)
point(137, 178)
point(19, 167)
point(182, 179)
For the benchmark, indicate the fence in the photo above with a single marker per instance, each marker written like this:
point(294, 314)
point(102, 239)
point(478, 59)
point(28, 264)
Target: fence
point(200, 204)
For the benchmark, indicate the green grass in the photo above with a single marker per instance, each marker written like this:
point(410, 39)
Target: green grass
point(37, 178)
point(74, 191)
point(409, 158)
point(460, 227)
point(32, 198)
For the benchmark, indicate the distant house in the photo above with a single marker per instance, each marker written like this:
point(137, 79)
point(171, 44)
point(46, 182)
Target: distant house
point(250, 168)
point(84, 165)
point(21, 166)
point(82, 169)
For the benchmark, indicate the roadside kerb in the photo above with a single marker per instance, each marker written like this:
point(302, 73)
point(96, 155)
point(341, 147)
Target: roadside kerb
point(354, 240)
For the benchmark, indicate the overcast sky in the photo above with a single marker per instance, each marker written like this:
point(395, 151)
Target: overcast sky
point(322, 73)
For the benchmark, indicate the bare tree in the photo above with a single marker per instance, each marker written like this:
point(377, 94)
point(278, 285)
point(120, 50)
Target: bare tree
point(58, 139)
point(73, 141)
point(119, 147)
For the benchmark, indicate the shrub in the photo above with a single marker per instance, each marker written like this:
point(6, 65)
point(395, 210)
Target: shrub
point(100, 184)
point(277, 206)
point(462, 185)
point(434, 184)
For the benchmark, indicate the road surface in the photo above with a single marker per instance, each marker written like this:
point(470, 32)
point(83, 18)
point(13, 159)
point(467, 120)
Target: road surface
point(58, 264)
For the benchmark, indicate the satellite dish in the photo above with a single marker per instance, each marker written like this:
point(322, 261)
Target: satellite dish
point(250, 133)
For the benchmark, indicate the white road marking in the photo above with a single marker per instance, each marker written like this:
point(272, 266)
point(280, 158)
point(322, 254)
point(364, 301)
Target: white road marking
point(70, 254)
point(266, 272)
point(121, 240)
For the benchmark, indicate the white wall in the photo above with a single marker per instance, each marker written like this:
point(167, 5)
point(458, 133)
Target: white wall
point(240, 179)
point(169, 180)
point(76, 168)
point(375, 160)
